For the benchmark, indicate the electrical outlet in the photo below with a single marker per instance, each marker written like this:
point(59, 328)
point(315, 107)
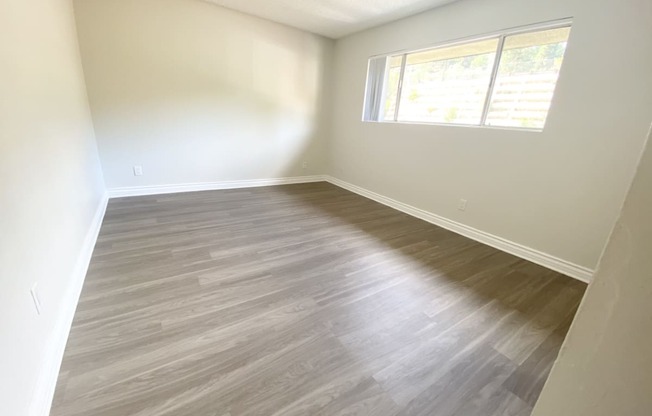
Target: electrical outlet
point(35, 298)
point(138, 170)
point(462, 205)
point(305, 165)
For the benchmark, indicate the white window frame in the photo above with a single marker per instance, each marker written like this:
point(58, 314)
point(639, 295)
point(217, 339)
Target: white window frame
point(501, 36)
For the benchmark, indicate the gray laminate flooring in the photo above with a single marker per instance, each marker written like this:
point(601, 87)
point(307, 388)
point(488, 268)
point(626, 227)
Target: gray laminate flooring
point(304, 300)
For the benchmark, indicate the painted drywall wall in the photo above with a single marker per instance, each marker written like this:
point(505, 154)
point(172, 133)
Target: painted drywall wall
point(558, 191)
point(196, 93)
point(50, 187)
point(605, 365)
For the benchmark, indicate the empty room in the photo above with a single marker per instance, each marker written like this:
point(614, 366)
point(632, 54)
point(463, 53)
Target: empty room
point(325, 207)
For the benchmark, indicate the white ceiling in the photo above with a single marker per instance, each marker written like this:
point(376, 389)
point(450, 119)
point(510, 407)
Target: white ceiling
point(331, 18)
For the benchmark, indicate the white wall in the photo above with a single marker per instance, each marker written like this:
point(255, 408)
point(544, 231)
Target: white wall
point(50, 187)
point(605, 365)
point(197, 93)
point(558, 191)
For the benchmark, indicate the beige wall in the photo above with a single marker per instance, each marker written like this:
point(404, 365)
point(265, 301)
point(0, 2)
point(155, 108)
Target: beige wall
point(50, 186)
point(558, 191)
point(197, 93)
point(605, 365)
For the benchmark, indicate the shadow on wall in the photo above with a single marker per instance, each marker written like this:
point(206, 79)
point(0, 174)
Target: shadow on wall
point(198, 93)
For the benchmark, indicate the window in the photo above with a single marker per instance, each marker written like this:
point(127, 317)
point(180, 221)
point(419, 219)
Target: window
point(506, 80)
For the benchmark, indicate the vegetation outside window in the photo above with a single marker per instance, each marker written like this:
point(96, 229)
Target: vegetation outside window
point(506, 80)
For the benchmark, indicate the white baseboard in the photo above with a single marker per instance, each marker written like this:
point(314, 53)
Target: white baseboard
point(535, 256)
point(209, 186)
point(47, 382)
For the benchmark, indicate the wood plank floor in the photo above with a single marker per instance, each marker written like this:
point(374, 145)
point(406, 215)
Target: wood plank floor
point(304, 300)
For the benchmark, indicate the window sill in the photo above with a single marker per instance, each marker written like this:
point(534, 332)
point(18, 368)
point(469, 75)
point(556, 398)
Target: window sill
point(473, 126)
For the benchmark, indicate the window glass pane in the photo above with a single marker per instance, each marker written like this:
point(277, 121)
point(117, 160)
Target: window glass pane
point(448, 85)
point(527, 75)
point(391, 89)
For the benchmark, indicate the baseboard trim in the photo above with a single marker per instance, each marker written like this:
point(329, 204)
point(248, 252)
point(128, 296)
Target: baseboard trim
point(44, 393)
point(565, 267)
point(209, 186)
